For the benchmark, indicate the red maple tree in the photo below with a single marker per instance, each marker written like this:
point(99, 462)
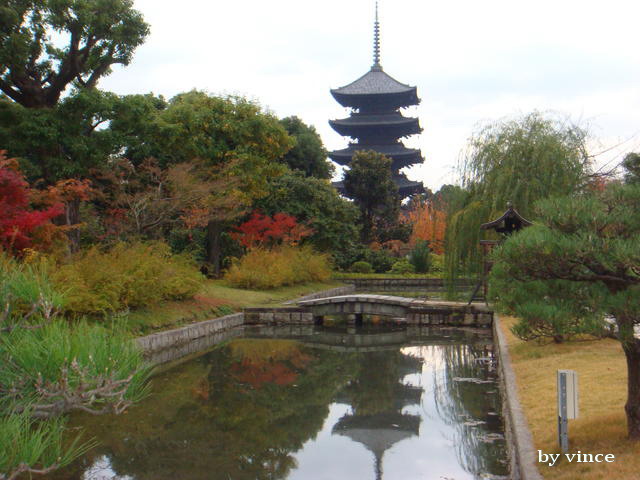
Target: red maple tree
point(18, 221)
point(263, 230)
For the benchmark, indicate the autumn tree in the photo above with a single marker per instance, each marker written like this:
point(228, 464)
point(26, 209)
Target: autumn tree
point(316, 203)
point(264, 231)
point(370, 185)
point(235, 143)
point(578, 263)
point(428, 224)
point(18, 220)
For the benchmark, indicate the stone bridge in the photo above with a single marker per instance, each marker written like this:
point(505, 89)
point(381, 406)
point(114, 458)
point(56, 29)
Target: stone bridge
point(413, 310)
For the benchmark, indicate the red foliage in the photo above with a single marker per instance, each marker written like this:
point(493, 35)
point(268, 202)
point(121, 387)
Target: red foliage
point(18, 221)
point(262, 230)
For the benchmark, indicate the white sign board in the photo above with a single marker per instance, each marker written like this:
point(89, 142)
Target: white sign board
point(568, 394)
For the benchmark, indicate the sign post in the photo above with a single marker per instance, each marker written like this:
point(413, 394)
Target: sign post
point(567, 405)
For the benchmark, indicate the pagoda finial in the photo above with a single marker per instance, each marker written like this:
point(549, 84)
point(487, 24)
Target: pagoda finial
point(376, 41)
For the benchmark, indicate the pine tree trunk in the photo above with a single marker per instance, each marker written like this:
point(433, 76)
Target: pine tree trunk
point(213, 247)
point(72, 214)
point(631, 349)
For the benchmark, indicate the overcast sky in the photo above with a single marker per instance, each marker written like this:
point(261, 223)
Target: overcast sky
point(472, 62)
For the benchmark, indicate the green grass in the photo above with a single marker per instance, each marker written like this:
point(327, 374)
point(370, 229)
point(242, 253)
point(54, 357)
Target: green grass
point(217, 298)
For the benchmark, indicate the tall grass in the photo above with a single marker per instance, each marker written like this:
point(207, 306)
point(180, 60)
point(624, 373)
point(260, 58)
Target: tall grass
point(26, 293)
point(30, 447)
point(271, 268)
point(62, 367)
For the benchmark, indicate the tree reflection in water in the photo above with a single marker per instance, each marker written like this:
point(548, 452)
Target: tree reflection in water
point(464, 402)
point(245, 410)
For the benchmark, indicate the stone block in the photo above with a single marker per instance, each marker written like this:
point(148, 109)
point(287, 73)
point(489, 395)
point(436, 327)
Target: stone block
point(266, 317)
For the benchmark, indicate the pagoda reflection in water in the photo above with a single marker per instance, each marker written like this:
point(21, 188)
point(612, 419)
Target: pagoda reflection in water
point(377, 421)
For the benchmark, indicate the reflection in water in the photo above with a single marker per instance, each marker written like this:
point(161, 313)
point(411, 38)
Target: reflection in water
point(313, 408)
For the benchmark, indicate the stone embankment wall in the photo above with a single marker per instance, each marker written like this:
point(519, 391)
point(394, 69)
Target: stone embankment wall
point(404, 283)
point(278, 316)
point(464, 316)
point(523, 454)
point(184, 335)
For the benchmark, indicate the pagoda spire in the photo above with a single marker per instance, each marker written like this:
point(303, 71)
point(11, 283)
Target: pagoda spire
point(376, 42)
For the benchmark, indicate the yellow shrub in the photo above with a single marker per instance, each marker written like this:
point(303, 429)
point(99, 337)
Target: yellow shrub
point(126, 276)
point(270, 268)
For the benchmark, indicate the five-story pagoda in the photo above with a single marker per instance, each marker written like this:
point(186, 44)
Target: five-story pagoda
point(376, 123)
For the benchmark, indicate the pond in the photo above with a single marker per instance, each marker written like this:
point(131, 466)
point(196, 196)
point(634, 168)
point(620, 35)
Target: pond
point(313, 403)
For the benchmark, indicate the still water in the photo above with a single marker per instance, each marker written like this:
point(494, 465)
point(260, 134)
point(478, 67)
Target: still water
point(313, 404)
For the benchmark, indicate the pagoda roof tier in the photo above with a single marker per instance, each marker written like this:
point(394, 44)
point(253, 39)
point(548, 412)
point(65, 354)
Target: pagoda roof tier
point(401, 155)
point(376, 87)
point(391, 124)
point(406, 187)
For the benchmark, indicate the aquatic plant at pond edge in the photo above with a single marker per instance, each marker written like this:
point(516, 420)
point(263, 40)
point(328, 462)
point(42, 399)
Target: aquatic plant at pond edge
point(33, 447)
point(64, 367)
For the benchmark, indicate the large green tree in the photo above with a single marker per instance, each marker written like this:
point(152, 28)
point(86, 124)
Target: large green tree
point(631, 164)
point(370, 185)
point(520, 161)
point(235, 143)
point(579, 261)
point(315, 202)
point(47, 45)
point(308, 154)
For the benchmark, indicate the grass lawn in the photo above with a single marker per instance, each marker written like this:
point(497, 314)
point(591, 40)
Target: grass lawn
point(602, 382)
point(216, 299)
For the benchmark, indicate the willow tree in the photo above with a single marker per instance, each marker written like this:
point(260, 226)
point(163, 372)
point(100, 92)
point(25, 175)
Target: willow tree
point(517, 160)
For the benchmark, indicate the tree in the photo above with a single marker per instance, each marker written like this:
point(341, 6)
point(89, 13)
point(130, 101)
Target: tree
point(519, 161)
point(233, 140)
point(316, 203)
point(308, 154)
point(18, 221)
point(90, 37)
point(579, 261)
point(428, 224)
point(631, 164)
point(370, 184)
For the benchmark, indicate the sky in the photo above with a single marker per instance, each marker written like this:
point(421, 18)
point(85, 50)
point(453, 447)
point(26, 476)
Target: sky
point(472, 62)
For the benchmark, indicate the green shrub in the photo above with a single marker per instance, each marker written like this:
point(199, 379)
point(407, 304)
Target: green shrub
point(436, 264)
point(263, 268)
point(402, 267)
point(420, 257)
point(126, 276)
point(361, 267)
point(381, 260)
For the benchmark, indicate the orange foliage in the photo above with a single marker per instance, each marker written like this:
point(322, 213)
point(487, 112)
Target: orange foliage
point(429, 223)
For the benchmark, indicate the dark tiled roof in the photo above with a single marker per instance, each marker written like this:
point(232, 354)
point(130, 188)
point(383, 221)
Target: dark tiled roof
point(374, 82)
point(406, 187)
point(397, 152)
point(375, 120)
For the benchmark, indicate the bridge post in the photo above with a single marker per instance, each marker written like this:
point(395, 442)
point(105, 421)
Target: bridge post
point(318, 319)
